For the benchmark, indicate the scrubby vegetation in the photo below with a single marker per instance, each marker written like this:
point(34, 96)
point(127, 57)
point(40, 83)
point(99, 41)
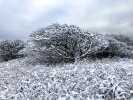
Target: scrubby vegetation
point(122, 38)
point(67, 43)
point(64, 43)
point(64, 62)
point(9, 49)
point(103, 79)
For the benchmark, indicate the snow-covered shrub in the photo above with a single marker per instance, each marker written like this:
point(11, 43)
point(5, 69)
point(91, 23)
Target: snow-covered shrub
point(123, 38)
point(115, 47)
point(118, 48)
point(57, 43)
point(9, 49)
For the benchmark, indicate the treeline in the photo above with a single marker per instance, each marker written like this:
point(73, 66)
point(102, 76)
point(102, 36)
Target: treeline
point(66, 43)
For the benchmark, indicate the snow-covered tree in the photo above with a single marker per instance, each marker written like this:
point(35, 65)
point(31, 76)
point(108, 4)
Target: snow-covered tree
point(118, 48)
point(56, 43)
point(9, 49)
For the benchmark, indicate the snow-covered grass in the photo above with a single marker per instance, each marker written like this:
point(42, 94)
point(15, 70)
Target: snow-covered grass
point(105, 79)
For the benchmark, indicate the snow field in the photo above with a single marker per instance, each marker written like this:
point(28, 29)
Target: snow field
point(104, 79)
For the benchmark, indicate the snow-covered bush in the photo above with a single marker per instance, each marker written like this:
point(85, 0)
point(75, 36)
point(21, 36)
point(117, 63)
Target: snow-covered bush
point(115, 47)
point(118, 48)
point(9, 49)
point(123, 38)
point(64, 43)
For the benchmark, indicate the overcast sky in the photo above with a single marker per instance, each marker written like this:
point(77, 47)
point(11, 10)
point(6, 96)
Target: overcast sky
point(18, 18)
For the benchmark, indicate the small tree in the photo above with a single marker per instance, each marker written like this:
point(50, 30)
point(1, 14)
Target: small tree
point(10, 49)
point(56, 43)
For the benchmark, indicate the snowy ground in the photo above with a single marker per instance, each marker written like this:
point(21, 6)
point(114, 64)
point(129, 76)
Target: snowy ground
point(106, 79)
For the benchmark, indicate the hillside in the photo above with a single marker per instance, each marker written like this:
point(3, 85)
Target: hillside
point(85, 80)
point(64, 62)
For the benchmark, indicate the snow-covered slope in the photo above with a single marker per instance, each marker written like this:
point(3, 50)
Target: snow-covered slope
point(84, 80)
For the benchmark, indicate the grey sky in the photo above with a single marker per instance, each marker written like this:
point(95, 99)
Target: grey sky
point(18, 18)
